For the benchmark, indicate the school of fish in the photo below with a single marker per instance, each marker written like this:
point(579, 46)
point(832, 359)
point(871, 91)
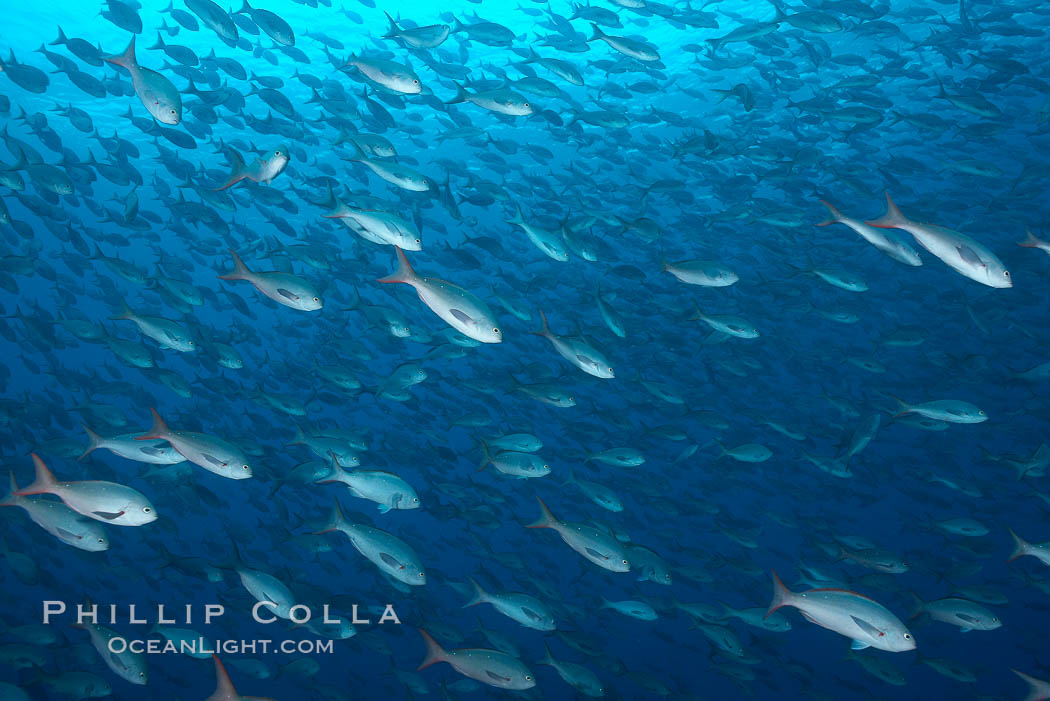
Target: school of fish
point(642, 331)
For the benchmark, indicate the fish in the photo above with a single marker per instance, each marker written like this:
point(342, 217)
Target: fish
point(108, 502)
point(384, 488)
point(578, 352)
point(270, 22)
point(954, 411)
point(524, 609)
point(489, 667)
point(389, 553)
point(575, 675)
point(158, 94)
point(893, 248)
point(967, 615)
point(210, 452)
point(592, 543)
point(164, 331)
point(958, 251)
point(633, 48)
point(866, 622)
point(262, 170)
point(59, 520)
point(127, 664)
point(130, 447)
point(390, 74)
point(284, 288)
point(459, 308)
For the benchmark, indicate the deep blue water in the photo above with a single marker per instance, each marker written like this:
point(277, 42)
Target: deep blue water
point(711, 135)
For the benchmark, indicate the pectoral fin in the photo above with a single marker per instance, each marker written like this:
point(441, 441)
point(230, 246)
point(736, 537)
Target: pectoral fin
point(868, 628)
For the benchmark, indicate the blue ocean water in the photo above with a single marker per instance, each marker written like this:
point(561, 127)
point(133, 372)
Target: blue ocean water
point(716, 398)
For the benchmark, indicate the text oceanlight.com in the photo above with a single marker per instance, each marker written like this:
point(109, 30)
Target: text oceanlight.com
point(202, 647)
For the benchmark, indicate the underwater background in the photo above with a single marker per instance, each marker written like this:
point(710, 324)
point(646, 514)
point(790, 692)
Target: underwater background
point(715, 398)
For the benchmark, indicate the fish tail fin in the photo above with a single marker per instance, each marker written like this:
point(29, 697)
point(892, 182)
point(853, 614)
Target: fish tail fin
point(480, 595)
point(917, 606)
point(223, 685)
point(96, 441)
point(61, 38)
point(487, 458)
point(1020, 546)
point(125, 59)
point(904, 407)
point(245, 7)
point(546, 519)
point(20, 160)
point(727, 610)
point(12, 498)
point(404, 272)
point(159, 429)
point(892, 219)
point(44, 482)
point(125, 312)
point(300, 436)
point(435, 653)
point(394, 29)
point(836, 215)
point(548, 658)
point(517, 218)
point(782, 596)
point(461, 95)
point(596, 32)
point(238, 170)
point(337, 473)
point(1037, 688)
point(240, 270)
point(699, 315)
point(335, 520)
point(545, 329)
point(1030, 240)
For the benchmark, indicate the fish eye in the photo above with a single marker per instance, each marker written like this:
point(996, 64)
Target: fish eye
point(528, 677)
point(245, 467)
point(421, 574)
point(416, 81)
point(147, 510)
point(624, 561)
point(1006, 273)
point(416, 500)
point(101, 540)
point(418, 241)
point(317, 299)
point(495, 329)
point(907, 636)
